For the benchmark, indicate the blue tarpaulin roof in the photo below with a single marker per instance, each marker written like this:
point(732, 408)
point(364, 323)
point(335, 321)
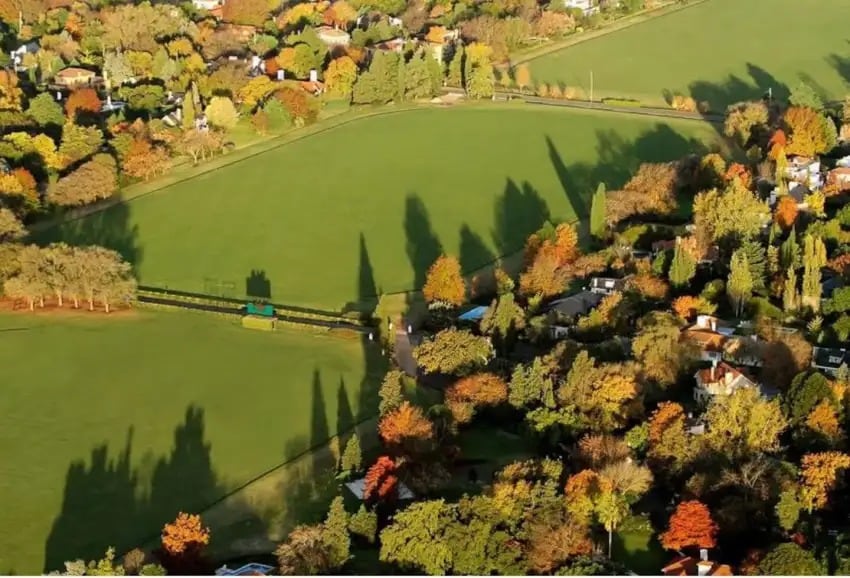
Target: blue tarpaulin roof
point(474, 314)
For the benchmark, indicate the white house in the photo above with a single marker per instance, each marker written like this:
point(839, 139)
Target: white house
point(719, 379)
point(586, 6)
point(804, 170)
point(333, 36)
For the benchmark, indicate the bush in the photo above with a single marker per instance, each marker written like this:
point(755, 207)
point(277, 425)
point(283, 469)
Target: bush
point(683, 103)
point(628, 102)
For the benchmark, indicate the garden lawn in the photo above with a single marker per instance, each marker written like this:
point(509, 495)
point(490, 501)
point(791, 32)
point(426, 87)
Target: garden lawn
point(366, 207)
point(112, 426)
point(720, 51)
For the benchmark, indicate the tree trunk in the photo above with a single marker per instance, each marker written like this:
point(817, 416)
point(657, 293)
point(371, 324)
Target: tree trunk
point(91, 302)
point(32, 303)
point(59, 298)
point(106, 304)
point(76, 302)
point(610, 537)
point(41, 301)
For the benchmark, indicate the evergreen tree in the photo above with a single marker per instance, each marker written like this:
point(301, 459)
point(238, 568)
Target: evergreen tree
point(597, 213)
point(454, 76)
point(739, 287)
point(758, 265)
point(435, 73)
point(789, 251)
point(188, 114)
point(335, 534)
point(790, 296)
point(352, 457)
point(682, 268)
point(417, 78)
point(391, 391)
point(814, 257)
point(478, 73)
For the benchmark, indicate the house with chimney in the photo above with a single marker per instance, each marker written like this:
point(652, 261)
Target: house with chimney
point(690, 566)
point(719, 379)
point(709, 334)
point(829, 360)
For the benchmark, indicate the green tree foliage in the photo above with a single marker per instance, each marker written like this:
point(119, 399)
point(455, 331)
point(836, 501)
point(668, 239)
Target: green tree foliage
point(391, 391)
point(78, 143)
point(277, 114)
point(352, 456)
point(735, 212)
point(221, 113)
point(805, 95)
point(659, 349)
point(789, 559)
point(757, 261)
point(790, 293)
point(143, 98)
point(454, 75)
point(598, 213)
point(454, 352)
point(531, 385)
point(683, 267)
point(788, 509)
point(739, 286)
point(416, 538)
point(380, 84)
point(789, 251)
point(478, 71)
point(417, 78)
point(45, 111)
point(745, 119)
point(335, 534)
point(743, 424)
point(364, 523)
point(188, 113)
point(814, 257)
point(503, 320)
point(805, 392)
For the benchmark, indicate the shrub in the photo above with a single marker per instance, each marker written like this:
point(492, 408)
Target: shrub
point(628, 102)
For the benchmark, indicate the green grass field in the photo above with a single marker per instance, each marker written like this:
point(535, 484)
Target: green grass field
point(110, 426)
point(366, 207)
point(720, 51)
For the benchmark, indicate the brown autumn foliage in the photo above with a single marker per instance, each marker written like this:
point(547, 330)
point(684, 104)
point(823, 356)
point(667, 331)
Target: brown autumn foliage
point(688, 306)
point(840, 264)
point(298, 103)
point(444, 282)
point(248, 12)
point(649, 286)
point(184, 535)
point(404, 424)
point(551, 543)
point(786, 212)
point(144, 160)
point(784, 355)
point(587, 265)
point(651, 190)
point(380, 481)
point(667, 414)
point(690, 526)
point(742, 173)
point(548, 260)
point(598, 450)
point(82, 99)
point(482, 389)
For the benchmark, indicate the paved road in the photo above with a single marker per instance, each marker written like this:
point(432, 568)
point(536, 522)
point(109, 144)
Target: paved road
point(404, 352)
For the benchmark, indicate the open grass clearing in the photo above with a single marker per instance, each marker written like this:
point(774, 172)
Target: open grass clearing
point(335, 218)
point(112, 426)
point(720, 51)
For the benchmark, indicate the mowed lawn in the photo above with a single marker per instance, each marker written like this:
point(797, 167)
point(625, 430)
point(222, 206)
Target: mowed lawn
point(366, 207)
point(720, 51)
point(111, 426)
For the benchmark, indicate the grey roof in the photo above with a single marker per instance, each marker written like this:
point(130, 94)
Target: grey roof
point(577, 304)
point(829, 358)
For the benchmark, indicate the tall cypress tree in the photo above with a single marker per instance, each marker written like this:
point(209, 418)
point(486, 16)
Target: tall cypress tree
point(598, 212)
point(682, 268)
point(739, 287)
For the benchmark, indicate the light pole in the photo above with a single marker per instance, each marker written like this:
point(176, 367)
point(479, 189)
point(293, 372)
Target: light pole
point(591, 85)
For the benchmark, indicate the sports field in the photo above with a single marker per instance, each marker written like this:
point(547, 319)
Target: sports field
point(111, 426)
point(720, 51)
point(368, 206)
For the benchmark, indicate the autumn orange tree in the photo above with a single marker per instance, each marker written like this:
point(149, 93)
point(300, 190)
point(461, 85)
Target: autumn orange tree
point(82, 99)
point(786, 212)
point(405, 427)
point(184, 534)
point(687, 307)
point(690, 526)
point(580, 493)
point(483, 389)
point(444, 282)
point(547, 259)
point(823, 420)
point(740, 172)
point(381, 482)
point(777, 144)
point(819, 476)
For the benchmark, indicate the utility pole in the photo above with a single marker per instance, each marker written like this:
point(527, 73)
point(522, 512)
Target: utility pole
point(591, 85)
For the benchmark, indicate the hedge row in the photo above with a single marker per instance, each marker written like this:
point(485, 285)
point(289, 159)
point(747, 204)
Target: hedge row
point(628, 102)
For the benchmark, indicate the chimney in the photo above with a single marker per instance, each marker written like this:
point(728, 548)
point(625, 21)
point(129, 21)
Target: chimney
point(713, 369)
point(713, 323)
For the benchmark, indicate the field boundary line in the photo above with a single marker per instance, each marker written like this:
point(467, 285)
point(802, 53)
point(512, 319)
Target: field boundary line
point(645, 15)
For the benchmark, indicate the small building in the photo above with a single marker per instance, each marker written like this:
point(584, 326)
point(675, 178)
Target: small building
point(607, 285)
point(392, 45)
point(839, 177)
point(587, 7)
point(206, 4)
point(74, 77)
point(690, 566)
point(804, 170)
point(17, 55)
point(575, 305)
point(719, 379)
point(252, 569)
point(829, 360)
point(358, 488)
point(474, 314)
point(333, 36)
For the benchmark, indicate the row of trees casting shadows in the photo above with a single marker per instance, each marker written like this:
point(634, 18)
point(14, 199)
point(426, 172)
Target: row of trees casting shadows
point(110, 502)
point(519, 211)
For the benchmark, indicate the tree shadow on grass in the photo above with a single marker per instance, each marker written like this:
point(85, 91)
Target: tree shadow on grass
point(423, 246)
point(258, 286)
point(519, 211)
point(474, 253)
point(108, 502)
point(719, 95)
point(108, 228)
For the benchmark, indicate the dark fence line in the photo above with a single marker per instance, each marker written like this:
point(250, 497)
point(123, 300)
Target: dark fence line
point(237, 311)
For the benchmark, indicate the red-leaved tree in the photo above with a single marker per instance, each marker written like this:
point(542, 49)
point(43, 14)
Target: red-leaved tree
point(381, 482)
point(690, 526)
